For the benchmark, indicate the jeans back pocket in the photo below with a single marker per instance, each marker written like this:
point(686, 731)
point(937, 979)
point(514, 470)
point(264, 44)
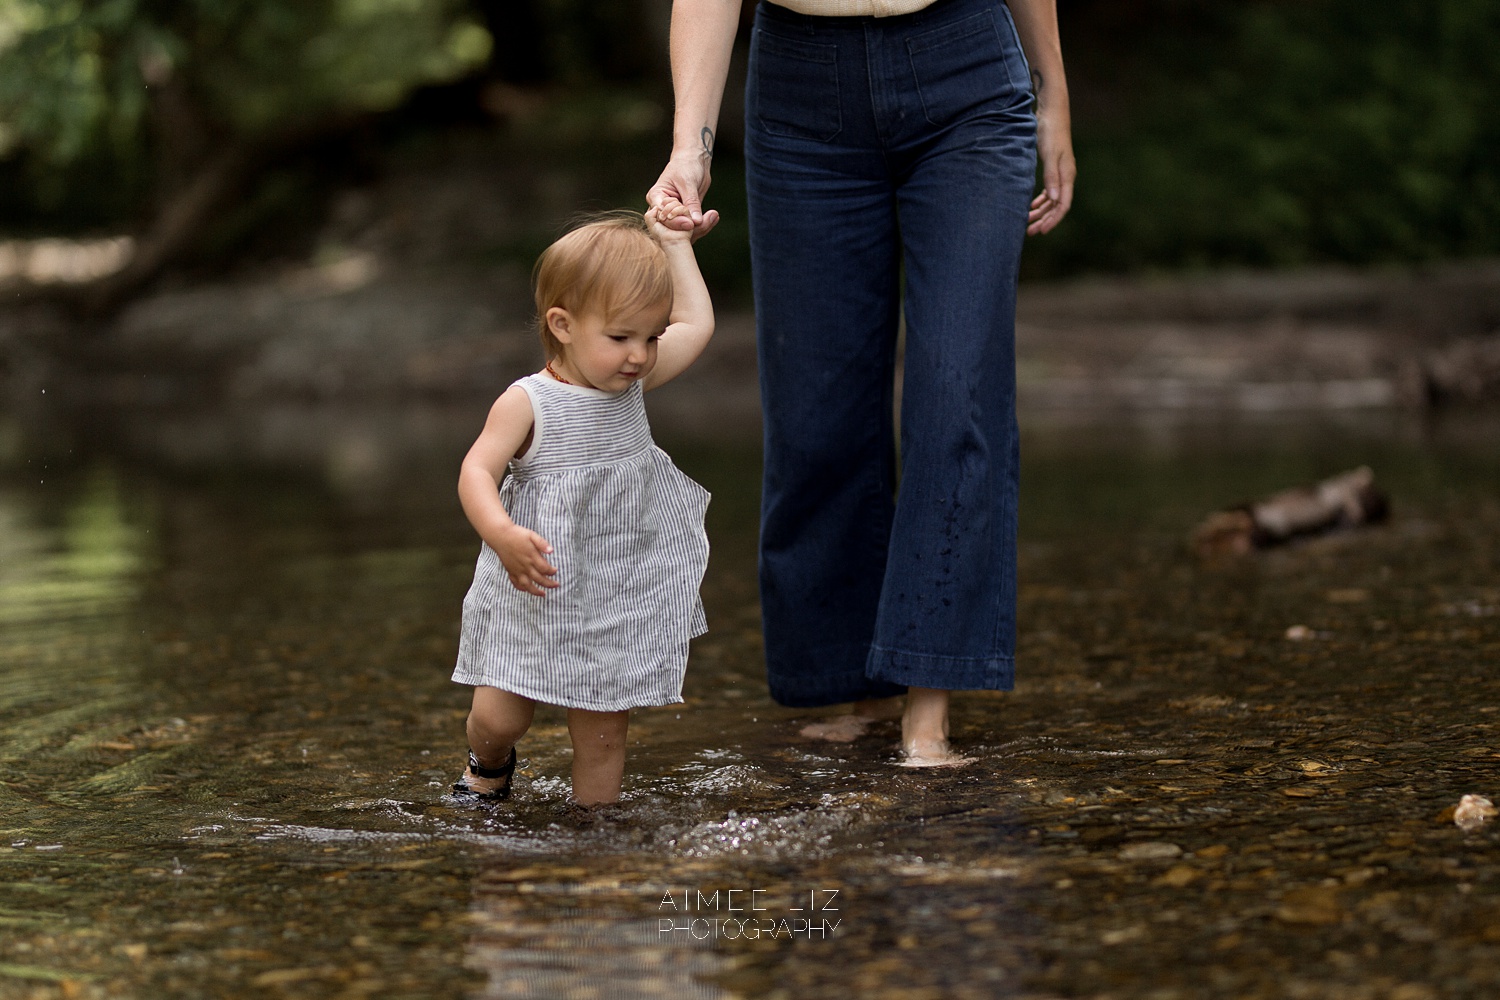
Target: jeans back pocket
point(794, 87)
point(961, 66)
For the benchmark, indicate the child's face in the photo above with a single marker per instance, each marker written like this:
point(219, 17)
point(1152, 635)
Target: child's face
point(608, 352)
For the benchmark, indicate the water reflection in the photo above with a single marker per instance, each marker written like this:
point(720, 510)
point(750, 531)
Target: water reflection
point(83, 563)
point(226, 735)
point(551, 934)
point(70, 557)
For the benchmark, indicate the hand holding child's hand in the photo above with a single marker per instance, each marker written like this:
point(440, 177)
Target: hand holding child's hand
point(524, 553)
point(661, 216)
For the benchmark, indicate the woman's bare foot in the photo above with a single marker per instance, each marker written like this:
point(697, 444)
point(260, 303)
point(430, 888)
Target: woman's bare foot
point(839, 729)
point(847, 728)
point(924, 730)
point(934, 757)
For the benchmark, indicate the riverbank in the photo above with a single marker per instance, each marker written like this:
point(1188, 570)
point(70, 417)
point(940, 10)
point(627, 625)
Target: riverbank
point(360, 359)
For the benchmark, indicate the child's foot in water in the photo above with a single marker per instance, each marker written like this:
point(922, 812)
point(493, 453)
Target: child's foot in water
point(848, 728)
point(486, 784)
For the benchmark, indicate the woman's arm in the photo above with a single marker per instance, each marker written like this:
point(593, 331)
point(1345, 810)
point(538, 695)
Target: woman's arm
point(1036, 23)
point(702, 41)
point(691, 324)
point(522, 552)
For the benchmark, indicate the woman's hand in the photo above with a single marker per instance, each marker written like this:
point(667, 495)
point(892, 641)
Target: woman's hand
point(524, 553)
point(667, 225)
point(701, 41)
point(677, 195)
point(1036, 25)
point(1054, 148)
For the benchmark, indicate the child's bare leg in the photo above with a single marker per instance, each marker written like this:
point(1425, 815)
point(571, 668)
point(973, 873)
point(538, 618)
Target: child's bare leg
point(924, 729)
point(598, 754)
point(497, 720)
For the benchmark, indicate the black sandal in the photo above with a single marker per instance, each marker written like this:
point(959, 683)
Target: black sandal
point(507, 770)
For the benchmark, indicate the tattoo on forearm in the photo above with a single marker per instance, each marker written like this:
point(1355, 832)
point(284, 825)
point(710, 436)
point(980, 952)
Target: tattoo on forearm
point(707, 136)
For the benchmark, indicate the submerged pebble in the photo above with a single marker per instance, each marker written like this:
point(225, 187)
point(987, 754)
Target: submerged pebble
point(1150, 851)
point(1473, 812)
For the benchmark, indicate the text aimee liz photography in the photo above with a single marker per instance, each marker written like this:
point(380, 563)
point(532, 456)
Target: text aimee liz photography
point(749, 914)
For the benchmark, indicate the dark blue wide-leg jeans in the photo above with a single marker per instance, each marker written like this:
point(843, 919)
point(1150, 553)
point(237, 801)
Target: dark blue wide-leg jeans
point(877, 149)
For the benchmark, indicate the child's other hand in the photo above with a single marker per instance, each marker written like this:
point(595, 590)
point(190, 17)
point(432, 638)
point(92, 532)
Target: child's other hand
point(524, 553)
point(661, 217)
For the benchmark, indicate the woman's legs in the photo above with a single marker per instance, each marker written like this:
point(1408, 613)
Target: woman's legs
point(947, 606)
point(598, 754)
point(927, 116)
point(497, 721)
point(824, 251)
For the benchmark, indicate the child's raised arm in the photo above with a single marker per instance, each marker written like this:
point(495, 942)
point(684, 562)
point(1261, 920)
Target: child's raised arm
point(691, 324)
point(522, 552)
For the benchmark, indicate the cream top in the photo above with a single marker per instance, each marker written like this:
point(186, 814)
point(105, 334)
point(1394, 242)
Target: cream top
point(853, 8)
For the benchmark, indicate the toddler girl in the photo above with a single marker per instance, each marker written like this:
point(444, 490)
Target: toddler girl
point(586, 591)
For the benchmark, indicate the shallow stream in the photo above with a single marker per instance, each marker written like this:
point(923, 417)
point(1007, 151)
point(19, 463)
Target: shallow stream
point(226, 734)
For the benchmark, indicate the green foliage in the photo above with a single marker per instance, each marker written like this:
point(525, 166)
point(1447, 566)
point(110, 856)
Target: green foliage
point(85, 80)
point(1258, 133)
point(587, 41)
point(1286, 133)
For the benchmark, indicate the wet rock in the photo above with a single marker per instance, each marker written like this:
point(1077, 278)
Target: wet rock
point(1201, 703)
point(1414, 991)
point(1302, 792)
point(1179, 876)
point(288, 977)
point(1315, 767)
point(1150, 851)
point(1122, 936)
point(1314, 905)
point(1473, 812)
point(1359, 876)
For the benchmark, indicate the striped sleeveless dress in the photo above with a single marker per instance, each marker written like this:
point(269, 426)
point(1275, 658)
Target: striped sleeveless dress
point(626, 528)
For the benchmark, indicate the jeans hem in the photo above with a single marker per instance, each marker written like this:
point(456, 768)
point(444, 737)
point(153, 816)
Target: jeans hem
point(948, 673)
point(828, 689)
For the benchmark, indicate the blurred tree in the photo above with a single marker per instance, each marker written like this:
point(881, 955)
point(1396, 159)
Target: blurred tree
point(517, 28)
point(1261, 132)
point(191, 96)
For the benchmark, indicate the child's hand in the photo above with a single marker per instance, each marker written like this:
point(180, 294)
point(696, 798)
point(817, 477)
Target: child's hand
point(671, 209)
point(524, 553)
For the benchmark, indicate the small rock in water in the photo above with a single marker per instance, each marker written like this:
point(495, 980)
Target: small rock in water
point(1179, 876)
point(1472, 812)
point(1122, 936)
point(1310, 905)
point(1150, 851)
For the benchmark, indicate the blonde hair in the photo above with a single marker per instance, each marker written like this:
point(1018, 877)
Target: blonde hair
point(605, 265)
